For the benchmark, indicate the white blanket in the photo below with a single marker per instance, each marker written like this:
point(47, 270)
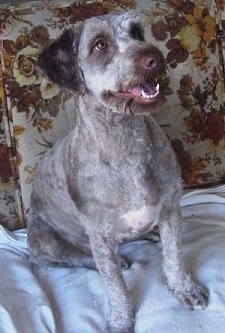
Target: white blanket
point(73, 300)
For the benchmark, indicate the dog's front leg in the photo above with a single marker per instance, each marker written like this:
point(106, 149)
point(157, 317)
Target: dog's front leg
point(105, 253)
point(185, 289)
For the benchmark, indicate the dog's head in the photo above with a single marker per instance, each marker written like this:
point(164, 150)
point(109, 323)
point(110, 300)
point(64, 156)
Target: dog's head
point(109, 58)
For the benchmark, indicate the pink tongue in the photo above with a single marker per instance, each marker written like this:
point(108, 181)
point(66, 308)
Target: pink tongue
point(149, 89)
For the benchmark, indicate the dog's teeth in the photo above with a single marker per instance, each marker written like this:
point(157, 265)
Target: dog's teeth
point(144, 95)
point(147, 96)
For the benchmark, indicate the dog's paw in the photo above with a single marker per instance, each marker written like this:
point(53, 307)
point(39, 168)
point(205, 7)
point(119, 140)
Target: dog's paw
point(119, 322)
point(195, 298)
point(113, 329)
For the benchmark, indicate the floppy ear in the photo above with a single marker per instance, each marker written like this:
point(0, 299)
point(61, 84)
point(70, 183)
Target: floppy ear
point(59, 61)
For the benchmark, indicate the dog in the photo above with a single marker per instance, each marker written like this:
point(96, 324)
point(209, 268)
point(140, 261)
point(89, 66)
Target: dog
point(115, 177)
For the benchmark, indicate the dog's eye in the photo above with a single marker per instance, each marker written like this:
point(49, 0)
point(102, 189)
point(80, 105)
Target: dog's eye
point(101, 45)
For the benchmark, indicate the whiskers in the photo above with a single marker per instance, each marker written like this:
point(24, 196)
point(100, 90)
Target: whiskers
point(127, 108)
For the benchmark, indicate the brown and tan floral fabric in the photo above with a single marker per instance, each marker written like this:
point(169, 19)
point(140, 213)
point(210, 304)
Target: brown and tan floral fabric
point(190, 34)
point(11, 214)
point(34, 113)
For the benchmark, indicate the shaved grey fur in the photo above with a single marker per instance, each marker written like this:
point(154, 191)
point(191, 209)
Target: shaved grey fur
point(115, 177)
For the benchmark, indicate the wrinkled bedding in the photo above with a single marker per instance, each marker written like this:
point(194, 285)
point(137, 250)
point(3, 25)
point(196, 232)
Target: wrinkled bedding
point(73, 300)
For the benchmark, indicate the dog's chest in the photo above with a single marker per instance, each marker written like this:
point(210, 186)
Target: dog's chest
point(121, 177)
point(126, 183)
point(143, 219)
point(126, 198)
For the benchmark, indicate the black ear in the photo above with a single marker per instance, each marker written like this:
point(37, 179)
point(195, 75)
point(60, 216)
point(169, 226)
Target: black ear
point(59, 61)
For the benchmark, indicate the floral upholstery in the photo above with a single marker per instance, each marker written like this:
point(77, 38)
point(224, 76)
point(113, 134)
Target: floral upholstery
point(34, 113)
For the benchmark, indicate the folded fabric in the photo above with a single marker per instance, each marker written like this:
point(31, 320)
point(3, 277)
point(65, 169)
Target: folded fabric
point(73, 300)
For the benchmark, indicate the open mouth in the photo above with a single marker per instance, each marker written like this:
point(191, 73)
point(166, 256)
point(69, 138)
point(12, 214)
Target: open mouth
point(145, 93)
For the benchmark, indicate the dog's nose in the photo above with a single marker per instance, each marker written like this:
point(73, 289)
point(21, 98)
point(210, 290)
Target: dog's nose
point(149, 61)
point(149, 58)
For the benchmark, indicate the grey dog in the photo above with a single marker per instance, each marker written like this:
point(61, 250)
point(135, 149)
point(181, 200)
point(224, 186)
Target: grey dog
point(115, 177)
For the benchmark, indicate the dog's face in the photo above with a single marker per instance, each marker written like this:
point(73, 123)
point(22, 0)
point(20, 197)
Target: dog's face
point(109, 58)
